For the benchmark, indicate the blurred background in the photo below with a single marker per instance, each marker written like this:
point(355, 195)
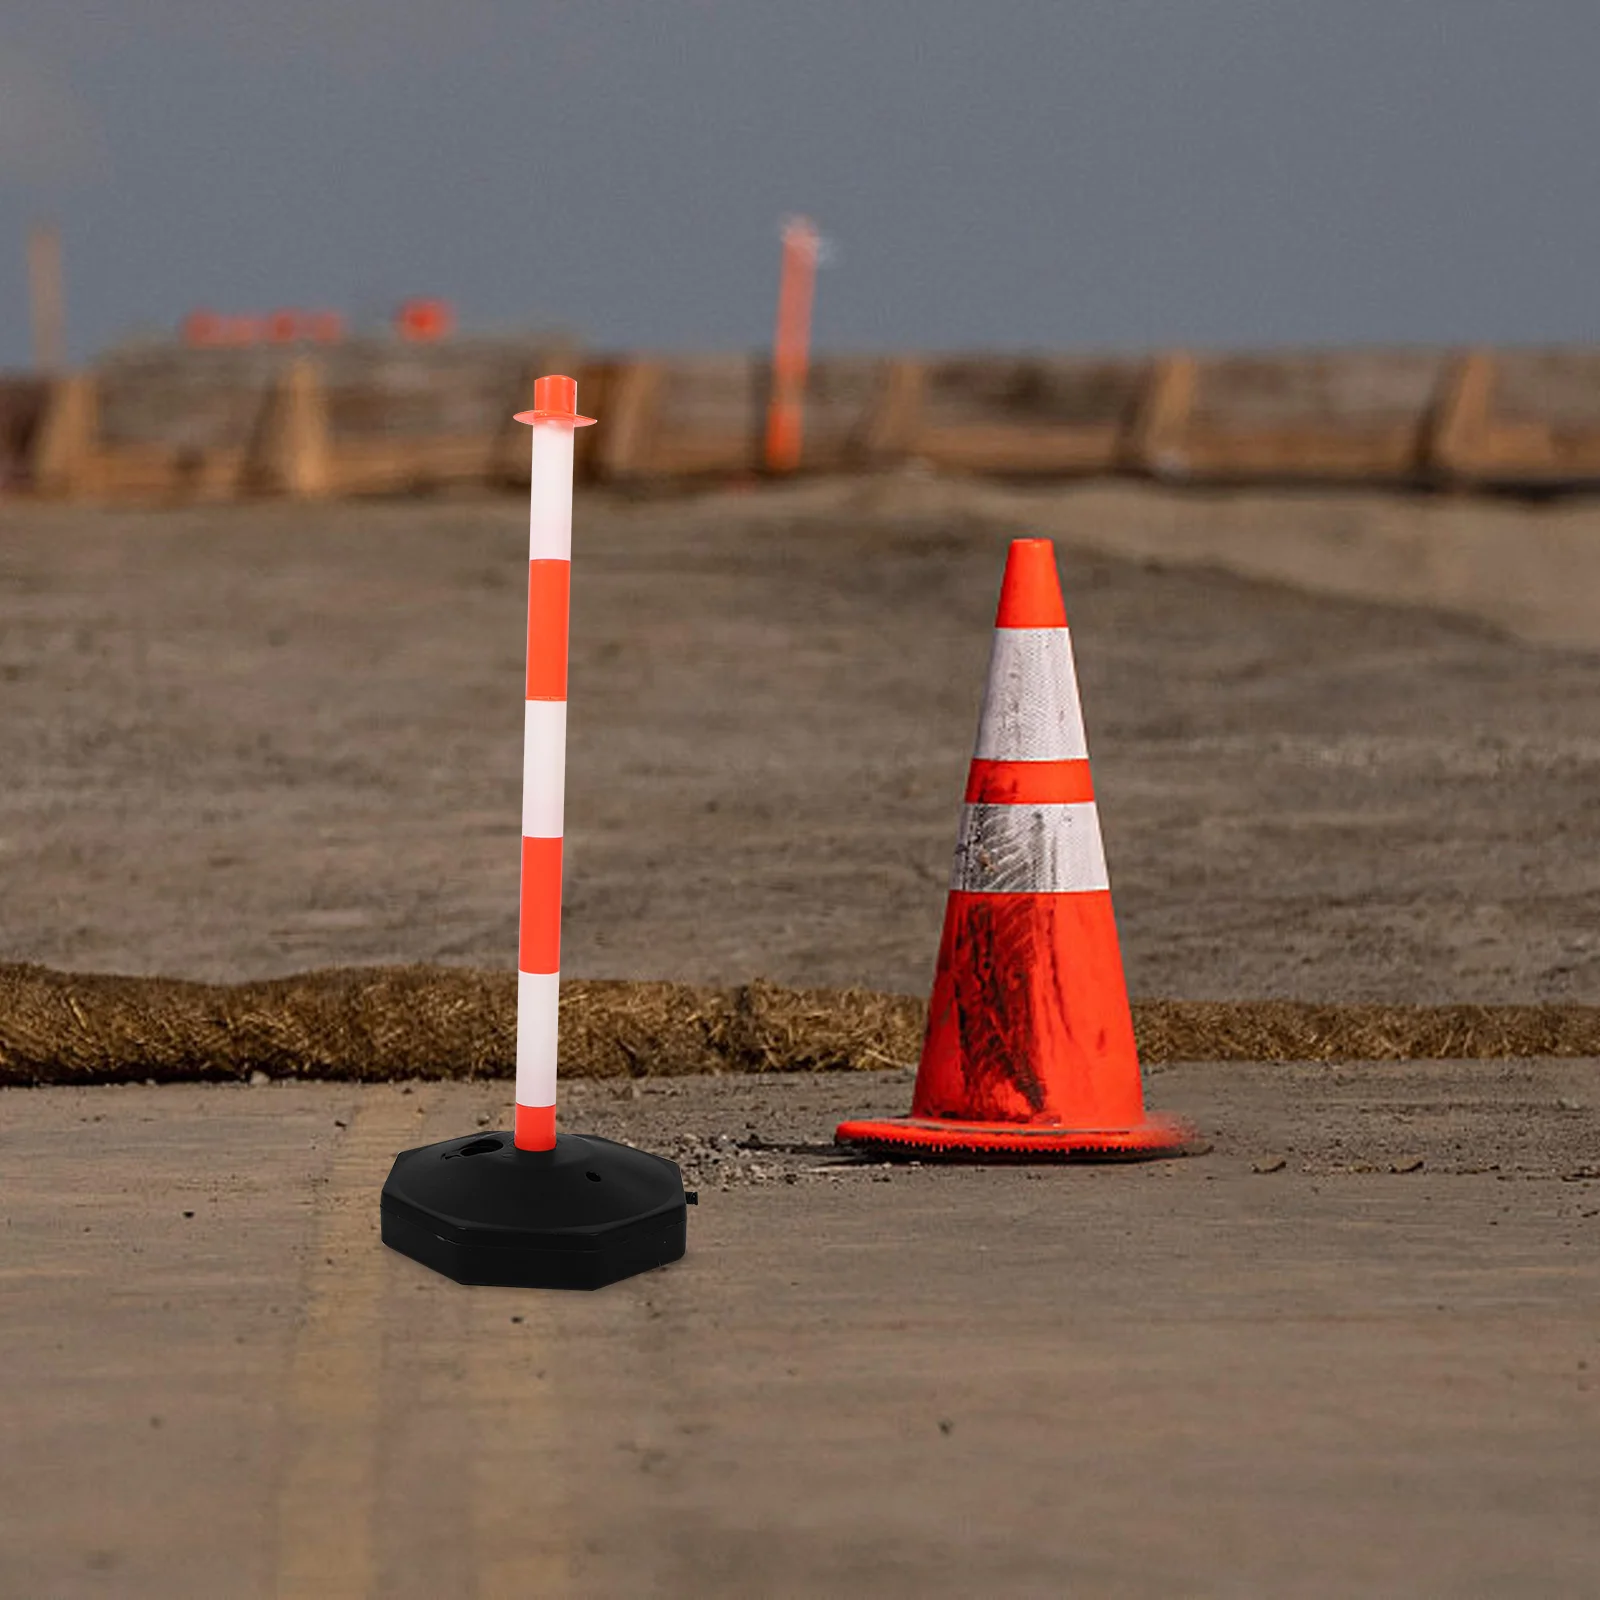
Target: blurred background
point(1018, 174)
point(1297, 298)
point(196, 200)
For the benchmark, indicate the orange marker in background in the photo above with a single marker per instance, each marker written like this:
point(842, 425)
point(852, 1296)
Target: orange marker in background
point(285, 327)
point(425, 320)
point(324, 327)
point(791, 345)
point(243, 329)
point(202, 328)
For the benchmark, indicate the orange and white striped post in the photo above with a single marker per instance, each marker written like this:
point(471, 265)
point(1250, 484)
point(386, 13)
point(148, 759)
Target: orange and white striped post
point(535, 1210)
point(791, 345)
point(544, 755)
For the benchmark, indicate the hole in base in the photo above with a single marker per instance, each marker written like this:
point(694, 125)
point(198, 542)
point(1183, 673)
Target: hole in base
point(480, 1147)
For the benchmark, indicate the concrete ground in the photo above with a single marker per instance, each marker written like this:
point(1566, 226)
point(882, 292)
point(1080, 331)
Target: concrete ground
point(1353, 1350)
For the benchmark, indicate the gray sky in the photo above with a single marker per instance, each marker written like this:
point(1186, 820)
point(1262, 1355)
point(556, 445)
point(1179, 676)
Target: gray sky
point(1002, 173)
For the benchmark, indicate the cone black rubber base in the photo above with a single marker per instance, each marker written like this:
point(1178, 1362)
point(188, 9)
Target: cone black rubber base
point(579, 1216)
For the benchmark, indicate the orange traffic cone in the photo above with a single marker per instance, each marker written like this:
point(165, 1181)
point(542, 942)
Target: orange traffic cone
point(1029, 1049)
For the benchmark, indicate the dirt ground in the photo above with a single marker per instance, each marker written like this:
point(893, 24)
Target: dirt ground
point(1352, 1350)
point(246, 741)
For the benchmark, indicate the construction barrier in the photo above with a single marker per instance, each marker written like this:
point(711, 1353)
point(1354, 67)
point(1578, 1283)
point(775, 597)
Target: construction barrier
point(232, 419)
point(534, 1208)
point(1029, 1050)
point(554, 420)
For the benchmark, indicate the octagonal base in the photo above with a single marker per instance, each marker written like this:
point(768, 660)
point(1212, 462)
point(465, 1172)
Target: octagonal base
point(579, 1216)
point(923, 1139)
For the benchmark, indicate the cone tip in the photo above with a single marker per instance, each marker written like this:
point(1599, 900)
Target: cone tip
point(1030, 594)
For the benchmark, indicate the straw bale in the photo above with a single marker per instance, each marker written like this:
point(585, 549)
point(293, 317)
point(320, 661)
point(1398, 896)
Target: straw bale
point(369, 1024)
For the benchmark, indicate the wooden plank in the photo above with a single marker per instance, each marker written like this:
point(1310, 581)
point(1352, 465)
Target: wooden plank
point(1020, 448)
point(1573, 456)
point(186, 426)
point(1540, 424)
point(1017, 414)
point(375, 466)
point(139, 472)
point(166, 473)
point(1289, 452)
point(702, 453)
point(213, 473)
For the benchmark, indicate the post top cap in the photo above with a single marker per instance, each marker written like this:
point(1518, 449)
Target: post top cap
point(555, 399)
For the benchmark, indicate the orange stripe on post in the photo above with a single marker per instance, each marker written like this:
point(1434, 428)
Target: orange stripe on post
point(549, 583)
point(535, 1128)
point(1020, 783)
point(539, 948)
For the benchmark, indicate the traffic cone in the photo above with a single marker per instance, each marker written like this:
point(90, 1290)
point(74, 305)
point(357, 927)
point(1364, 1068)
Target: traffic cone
point(1029, 1049)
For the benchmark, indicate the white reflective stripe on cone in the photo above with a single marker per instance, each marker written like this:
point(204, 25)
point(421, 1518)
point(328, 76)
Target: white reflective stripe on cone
point(538, 1001)
point(1029, 849)
point(544, 768)
point(550, 502)
point(1031, 710)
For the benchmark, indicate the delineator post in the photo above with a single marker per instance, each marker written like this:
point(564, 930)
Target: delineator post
point(791, 345)
point(530, 1207)
point(544, 755)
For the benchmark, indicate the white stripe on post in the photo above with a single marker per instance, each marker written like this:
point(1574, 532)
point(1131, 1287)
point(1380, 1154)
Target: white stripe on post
point(550, 493)
point(538, 1017)
point(544, 768)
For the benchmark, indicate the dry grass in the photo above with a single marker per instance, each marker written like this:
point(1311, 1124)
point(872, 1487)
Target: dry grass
point(376, 1023)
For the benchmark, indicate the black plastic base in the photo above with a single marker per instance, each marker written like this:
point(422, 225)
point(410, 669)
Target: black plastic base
point(580, 1216)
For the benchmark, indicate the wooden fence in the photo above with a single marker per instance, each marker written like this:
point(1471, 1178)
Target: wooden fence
point(173, 426)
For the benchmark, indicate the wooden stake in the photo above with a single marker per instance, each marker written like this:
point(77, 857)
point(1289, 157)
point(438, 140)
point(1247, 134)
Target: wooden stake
point(292, 452)
point(1459, 446)
point(1162, 421)
point(65, 447)
point(626, 447)
point(46, 300)
point(896, 418)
